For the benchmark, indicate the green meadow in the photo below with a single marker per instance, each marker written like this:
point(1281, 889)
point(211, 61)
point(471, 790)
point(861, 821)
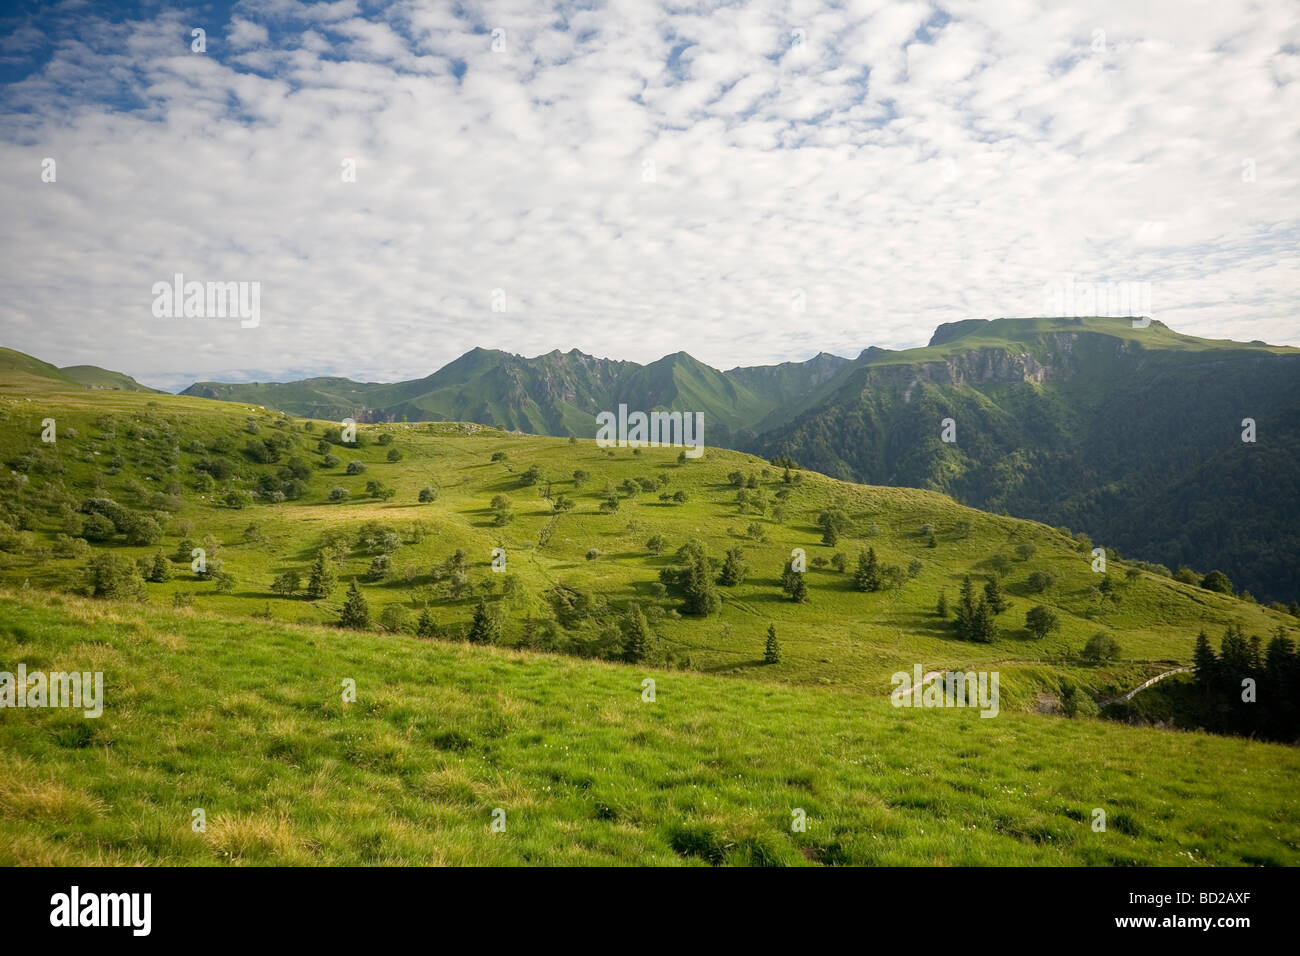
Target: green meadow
point(228, 697)
point(247, 723)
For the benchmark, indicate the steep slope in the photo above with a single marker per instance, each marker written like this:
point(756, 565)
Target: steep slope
point(1134, 435)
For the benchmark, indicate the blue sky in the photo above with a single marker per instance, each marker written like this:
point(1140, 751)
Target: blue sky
point(748, 182)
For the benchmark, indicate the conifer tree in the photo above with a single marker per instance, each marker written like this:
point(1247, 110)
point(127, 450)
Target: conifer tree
point(485, 629)
point(942, 607)
point(993, 595)
point(701, 595)
point(772, 651)
point(356, 612)
point(639, 638)
point(734, 568)
point(425, 626)
point(797, 588)
point(965, 614)
point(321, 582)
point(867, 577)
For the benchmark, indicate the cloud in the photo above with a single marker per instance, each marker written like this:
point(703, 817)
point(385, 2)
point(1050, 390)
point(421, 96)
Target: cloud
point(637, 179)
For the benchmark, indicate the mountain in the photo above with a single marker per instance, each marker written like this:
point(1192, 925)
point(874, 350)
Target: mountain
point(92, 376)
point(1132, 435)
point(558, 393)
point(20, 367)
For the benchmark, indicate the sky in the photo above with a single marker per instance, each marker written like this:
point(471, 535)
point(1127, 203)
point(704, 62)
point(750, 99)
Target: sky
point(748, 182)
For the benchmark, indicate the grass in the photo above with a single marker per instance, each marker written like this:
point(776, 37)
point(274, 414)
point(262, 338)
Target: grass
point(247, 723)
point(841, 638)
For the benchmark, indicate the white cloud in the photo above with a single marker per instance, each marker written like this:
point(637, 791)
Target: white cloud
point(903, 164)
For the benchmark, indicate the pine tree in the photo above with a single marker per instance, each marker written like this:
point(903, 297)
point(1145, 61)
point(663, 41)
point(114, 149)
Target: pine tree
point(485, 629)
point(160, 570)
point(734, 568)
point(772, 651)
point(942, 608)
point(983, 627)
point(701, 596)
point(993, 595)
point(426, 626)
point(798, 589)
point(965, 615)
point(639, 638)
point(1205, 662)
point(867, 577)
point(321, 583)
point(356, 612)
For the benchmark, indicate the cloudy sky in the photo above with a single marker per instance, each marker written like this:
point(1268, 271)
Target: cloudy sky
point(748, 182)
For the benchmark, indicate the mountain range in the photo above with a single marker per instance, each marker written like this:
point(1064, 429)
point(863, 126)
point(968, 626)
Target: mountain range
point(1132, 435)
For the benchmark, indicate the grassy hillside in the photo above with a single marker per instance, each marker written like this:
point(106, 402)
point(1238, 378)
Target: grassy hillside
point(248, 724)
point(92, 376)
point(148, 454)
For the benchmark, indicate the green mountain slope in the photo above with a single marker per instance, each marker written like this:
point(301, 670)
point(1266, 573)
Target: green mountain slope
point(199, 471)
point(1134, 435)
point(92, 376)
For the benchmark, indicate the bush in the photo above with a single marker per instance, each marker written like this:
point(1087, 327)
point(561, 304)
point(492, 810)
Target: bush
point(97, 528)
point(111, 576)
point(394, 454)
point(1040, 581)
point(338, 493)
point(1217, 581)
point(355, 467)
point(428, 495)
point(1101, 647)
point(1041, 621)
point(395, 618)
point(1077, 702)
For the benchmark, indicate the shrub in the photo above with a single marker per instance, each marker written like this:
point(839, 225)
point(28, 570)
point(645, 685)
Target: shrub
point(1041, 621)
point(1077, 702)
point(355, 468)
point(1040, 581)
point(394, 454)
point(111, 576)
point(287, 583)
point(97, 528)
point(428, 495)
point(1101, 648)
point(338, 493)
point(1217, 581)
point(395, 618)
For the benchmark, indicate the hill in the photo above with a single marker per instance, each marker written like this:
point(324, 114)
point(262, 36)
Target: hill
point(585, 530)
point(92, 376)
point(248, 726)
point(1050, 412)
